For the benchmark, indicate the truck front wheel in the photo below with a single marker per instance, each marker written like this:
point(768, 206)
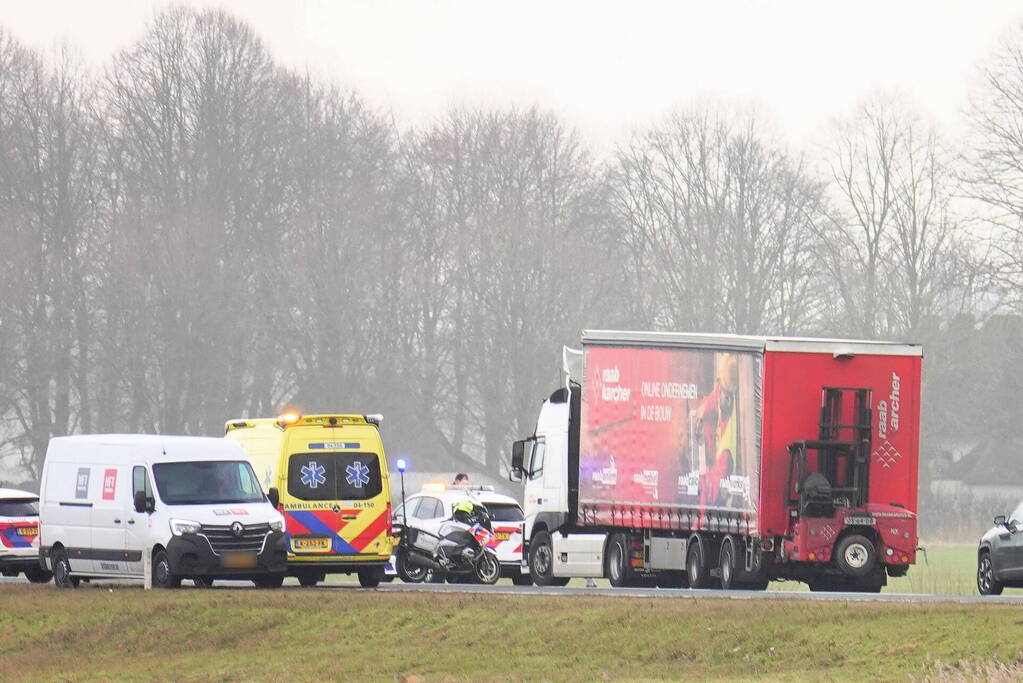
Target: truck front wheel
point(855, 555)
point(618, 569)
point(541, 561)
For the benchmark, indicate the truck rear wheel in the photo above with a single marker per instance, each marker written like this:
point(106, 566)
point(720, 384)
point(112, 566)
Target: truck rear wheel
point(856, 555)
point(726, 564)
point(696, 565)
point(541, 561)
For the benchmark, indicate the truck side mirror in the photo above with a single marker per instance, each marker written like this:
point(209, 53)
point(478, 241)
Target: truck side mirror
point(273, 496)
point(518, 455)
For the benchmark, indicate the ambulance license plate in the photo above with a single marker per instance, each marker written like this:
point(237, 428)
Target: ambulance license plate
point(28, 531)
point(312, 544)
point(502, 535)
point(238, 560)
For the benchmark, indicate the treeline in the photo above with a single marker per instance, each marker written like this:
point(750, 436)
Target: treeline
point(196, 233)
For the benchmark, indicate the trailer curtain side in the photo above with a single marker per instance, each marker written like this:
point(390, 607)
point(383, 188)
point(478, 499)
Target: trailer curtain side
point(670, 437)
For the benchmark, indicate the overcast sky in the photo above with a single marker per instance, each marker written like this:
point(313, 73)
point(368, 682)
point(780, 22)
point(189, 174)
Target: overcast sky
point(605, 66)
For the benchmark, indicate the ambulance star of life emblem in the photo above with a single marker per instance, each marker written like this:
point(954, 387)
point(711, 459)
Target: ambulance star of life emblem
point(237, 528)
point(358, 475)
point(313, 474)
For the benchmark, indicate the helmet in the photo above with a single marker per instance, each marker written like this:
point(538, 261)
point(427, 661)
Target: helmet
point(464, 506)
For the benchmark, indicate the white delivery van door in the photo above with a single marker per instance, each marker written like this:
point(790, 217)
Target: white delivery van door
point(139, 524)
point(108, 519)
point(68, 512)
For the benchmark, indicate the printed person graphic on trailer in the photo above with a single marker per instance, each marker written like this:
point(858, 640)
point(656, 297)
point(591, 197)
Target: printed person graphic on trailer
point(718, 415)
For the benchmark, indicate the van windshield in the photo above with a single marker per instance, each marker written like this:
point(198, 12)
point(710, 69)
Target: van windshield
point(205, 482)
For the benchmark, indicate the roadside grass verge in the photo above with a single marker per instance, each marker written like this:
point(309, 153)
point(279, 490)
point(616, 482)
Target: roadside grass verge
point(103, 632)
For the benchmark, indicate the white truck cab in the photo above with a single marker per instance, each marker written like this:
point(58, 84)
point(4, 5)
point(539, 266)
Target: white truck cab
point(192, 505)
point(550, 556)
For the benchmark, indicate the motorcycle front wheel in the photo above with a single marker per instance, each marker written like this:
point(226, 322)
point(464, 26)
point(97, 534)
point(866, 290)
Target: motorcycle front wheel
point(488, 569)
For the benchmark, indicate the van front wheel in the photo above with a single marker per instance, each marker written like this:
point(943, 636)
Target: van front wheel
point(269, 581)
point(162, 575)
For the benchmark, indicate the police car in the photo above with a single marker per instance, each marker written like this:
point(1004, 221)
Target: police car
point(19, 535)
point(432, 506)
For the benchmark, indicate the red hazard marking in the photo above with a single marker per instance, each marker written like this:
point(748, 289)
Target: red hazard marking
point(109, 484)
point(371, 532)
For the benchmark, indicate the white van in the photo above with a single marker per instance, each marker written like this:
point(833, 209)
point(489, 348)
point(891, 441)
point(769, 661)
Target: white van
point(193, 503)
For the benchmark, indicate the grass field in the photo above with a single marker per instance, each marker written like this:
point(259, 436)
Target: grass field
point(100, 632)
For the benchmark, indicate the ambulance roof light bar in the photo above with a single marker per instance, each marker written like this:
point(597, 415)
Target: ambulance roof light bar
point(287, 419)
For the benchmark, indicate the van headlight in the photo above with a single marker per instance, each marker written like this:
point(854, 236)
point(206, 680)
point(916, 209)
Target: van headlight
point(183, 526)
point(277, 524)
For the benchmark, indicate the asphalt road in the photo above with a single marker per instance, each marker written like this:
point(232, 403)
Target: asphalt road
point(663, 593)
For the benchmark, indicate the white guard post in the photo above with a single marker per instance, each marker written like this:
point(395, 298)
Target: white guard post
point(147, 568)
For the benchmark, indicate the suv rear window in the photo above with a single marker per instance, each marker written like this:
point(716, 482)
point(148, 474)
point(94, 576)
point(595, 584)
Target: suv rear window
point(504, 512)
point(334, 476)
point(24, 507)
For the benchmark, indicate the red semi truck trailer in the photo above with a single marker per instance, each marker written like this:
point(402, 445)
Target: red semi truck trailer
point(725, 461)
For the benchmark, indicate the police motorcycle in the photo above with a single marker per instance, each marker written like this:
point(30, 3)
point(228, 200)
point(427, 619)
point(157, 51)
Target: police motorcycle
point(458, 551)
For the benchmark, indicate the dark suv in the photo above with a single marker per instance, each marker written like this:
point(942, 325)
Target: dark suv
point(1000, 554)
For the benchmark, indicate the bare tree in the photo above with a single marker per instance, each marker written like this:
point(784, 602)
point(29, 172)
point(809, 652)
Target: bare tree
point(196, 112)
point(897, 252)
point(718, 221)
point(48, 165)
point(503, 206)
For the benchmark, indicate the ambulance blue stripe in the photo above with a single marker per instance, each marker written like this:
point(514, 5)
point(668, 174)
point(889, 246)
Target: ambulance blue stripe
point(311, 522)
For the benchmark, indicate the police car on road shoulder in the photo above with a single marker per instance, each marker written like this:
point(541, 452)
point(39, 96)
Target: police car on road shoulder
point(19, 535)
point(432, 506)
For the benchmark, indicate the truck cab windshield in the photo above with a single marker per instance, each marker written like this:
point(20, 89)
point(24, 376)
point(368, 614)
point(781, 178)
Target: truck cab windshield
point(202, 483)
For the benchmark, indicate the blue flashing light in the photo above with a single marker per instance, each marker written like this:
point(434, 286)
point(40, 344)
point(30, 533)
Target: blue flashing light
point(401, 464)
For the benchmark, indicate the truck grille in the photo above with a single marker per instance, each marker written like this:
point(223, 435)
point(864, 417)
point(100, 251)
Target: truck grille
point(222, 539)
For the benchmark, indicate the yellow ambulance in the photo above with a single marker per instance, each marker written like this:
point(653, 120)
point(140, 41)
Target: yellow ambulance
point(328, 476)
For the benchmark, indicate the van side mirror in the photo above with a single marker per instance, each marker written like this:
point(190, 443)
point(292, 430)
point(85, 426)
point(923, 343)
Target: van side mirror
point(274, 496)
point(142, 503)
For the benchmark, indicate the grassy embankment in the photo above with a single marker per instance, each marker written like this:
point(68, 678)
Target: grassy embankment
point(98, 632)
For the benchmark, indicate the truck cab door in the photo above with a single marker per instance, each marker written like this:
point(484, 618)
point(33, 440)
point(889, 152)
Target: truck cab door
point(536, 449)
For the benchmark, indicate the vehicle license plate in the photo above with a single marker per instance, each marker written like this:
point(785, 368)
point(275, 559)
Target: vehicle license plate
point(238, 560)
point(503, 535)
point(28, 531)
point(312, 543)
point(859, 521)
